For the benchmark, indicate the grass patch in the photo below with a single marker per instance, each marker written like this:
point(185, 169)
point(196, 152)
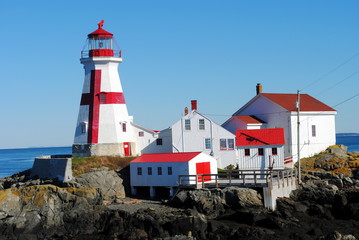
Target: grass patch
point(86, 164)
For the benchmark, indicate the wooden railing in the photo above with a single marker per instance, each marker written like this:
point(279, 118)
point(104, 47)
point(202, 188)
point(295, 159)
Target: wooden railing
point(243, 178)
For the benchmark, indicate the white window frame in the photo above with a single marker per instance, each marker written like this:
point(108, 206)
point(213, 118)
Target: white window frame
point(223, 140)
point(187, 124)
point(207, 143)
point(201, 124)
point(314, 130)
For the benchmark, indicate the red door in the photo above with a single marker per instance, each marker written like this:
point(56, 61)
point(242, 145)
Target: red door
point(127, 149)
point(203, 168)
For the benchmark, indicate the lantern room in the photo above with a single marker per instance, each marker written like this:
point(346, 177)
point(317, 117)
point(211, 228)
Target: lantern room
point(100, 43)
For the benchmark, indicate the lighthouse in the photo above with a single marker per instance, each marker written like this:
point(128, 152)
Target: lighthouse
point(103, 127)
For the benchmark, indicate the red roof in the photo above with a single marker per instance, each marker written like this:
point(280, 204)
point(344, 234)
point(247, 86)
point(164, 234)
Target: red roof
point(288, 101)
point(254, 137)
point(100, 33)
point(249, 119)
point(166, 157)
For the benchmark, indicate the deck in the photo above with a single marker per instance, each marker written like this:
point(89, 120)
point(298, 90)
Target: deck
point(240, 178)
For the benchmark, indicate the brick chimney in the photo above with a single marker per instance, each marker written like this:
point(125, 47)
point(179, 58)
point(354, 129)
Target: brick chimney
point(194, 104)
point(259, 88)
point(186, 111)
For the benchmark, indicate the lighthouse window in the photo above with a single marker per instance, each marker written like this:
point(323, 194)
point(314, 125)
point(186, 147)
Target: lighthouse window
point(201, 124)
point(141, 134)
point(124, 127)
point(83, 127)
point(187, 124)
point(103, 98)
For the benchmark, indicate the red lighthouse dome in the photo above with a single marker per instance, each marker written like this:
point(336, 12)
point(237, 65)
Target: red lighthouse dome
point(101, 44)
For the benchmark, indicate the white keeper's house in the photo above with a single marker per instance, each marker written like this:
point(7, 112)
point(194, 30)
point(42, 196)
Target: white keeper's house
point(278, 110)
point(260, 148)
point(160, 170)
point(195, 132)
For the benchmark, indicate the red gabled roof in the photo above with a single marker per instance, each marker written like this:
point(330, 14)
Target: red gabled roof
point(166, 157)
point(288, 101)
point(253, 137)
point(248, 119)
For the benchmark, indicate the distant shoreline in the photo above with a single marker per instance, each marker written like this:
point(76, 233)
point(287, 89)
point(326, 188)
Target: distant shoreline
point(346, 134)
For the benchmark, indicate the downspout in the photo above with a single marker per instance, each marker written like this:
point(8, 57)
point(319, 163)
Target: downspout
point(182, 134)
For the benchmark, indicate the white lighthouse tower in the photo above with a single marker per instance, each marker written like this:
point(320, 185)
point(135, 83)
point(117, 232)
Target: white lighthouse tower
point(103, 126)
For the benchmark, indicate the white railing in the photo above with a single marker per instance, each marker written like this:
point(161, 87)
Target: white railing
point(244, 178)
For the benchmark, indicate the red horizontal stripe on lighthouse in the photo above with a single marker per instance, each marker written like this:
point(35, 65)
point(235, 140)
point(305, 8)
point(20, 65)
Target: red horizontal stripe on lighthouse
point(110, 98)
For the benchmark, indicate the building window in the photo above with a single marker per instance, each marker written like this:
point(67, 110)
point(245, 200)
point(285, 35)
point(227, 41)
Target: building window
point(223, 144)
point(102, 98)
point(274, 151)
point(159, 170)
point(247, 152)
point(139, 171)
point(149, 171)
point(124, 127)
point(83, 127)
point(159, 141)
point(207, 143)
point(201, 124)
point(314, 132)
point(169, 170)
point(230, 144)
point(141, 134)
point(260, 152)
point(187, 124)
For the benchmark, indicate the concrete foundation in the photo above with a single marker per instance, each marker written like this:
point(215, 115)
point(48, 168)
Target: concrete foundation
point(279, 188)
point(98, 149)
point(54, 166)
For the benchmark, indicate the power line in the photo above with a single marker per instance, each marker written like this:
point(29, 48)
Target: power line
point(356, 95)
point(331, 71)
point(351, 75)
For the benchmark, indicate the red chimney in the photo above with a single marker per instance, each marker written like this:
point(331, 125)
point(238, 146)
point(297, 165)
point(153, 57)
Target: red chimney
point(194, 104)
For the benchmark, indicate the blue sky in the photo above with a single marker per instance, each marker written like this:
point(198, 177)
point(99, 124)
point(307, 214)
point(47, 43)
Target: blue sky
point(173, 52)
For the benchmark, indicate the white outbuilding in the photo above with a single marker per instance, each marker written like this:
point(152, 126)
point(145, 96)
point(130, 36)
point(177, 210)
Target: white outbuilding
point(260, 148)
point(160, 170)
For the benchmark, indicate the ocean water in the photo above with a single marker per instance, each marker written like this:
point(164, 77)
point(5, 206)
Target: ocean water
point(20, 159)
point(17, 160)
point(350, 140)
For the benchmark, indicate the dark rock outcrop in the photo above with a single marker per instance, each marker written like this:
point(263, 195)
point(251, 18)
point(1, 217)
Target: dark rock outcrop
point(214, 202)
point(109, 182)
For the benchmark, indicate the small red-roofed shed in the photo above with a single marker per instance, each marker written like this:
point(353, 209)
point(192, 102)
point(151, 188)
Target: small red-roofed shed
point(260, 148)
point(160, 170)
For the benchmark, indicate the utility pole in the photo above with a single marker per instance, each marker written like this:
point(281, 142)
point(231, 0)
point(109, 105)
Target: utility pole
point(298, 137)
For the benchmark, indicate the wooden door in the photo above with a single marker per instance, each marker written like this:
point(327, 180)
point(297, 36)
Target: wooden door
point(203, 168)
point(127, 149)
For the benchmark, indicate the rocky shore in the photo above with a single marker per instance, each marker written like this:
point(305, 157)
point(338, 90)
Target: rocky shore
point(95, 206)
